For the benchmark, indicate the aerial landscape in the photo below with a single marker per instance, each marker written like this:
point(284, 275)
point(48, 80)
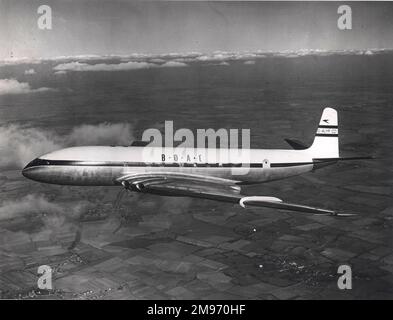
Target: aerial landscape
point(152, 247)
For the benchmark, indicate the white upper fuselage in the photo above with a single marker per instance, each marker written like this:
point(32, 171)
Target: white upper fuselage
point(104, 165)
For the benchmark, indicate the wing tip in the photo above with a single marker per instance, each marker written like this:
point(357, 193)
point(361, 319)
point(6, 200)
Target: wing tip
point(337, 214)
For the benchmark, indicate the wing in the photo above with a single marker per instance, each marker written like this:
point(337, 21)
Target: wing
point(187, 185)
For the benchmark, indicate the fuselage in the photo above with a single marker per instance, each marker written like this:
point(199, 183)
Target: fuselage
point(104, 165)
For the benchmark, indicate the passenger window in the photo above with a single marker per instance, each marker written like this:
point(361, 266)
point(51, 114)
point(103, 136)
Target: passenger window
point(265, 164)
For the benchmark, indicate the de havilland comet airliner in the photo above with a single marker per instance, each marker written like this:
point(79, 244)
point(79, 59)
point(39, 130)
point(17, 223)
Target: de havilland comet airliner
point(195, 175)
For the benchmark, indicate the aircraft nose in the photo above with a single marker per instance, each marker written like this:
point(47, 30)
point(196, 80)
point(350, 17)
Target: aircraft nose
point(27, 170)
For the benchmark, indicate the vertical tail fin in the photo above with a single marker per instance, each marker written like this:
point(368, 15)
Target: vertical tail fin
point(325, 143)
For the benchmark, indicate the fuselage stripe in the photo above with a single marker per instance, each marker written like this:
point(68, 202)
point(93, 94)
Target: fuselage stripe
point(326, 135)
point(44, 162)
point(327, 127)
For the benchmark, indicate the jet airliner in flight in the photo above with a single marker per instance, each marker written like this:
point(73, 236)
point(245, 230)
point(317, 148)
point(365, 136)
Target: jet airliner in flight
point(221, 180)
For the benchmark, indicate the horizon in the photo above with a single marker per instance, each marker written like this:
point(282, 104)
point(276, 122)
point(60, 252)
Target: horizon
point(212, 55)
point(98, 27)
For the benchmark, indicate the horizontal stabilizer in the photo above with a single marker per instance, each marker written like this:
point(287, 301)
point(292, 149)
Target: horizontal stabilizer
point(139, 143)
point(296, 144)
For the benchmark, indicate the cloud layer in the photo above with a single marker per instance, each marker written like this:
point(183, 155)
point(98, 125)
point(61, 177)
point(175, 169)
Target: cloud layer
point(100, 134)
point(19, 145)
point(56, 218)
point(215, 55)
point(29, 143)
point(79, 66)
point(30, 71)
point(174, 64)
point(12, 86)
point(28, 204)
point(123, 66)
point(145, 61)
point(138, 61)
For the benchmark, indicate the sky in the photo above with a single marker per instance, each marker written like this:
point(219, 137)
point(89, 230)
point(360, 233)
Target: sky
point(105, 27)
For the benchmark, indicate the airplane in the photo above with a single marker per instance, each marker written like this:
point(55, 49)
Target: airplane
point(198, 177)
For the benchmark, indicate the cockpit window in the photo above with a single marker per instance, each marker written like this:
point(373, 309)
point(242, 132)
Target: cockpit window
point(38, 162)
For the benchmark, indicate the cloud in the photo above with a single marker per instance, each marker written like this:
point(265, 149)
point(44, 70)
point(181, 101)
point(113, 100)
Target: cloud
point(157, 60)
point(56, 218)
point(250, 62)
point(19, 61)
point(29, 204)
point(61, 72)
point(101, 134)
point(174, 64)
point(123, 66)
point(80, 66)
point(12, 86)
point(29, 143)
point(147, 60)
point(30, 71)
point(33, 204)
point(226, 56)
